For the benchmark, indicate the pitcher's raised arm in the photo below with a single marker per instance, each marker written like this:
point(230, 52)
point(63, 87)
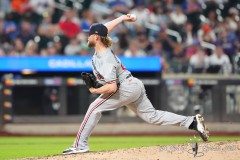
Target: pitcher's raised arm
point(123, 18)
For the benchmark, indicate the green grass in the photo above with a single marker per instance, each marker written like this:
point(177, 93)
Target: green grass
point(22, 147)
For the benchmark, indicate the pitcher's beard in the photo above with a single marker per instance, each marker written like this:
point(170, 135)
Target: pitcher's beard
point(91, 44)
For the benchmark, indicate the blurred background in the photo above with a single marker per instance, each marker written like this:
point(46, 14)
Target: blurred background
point(187, 53)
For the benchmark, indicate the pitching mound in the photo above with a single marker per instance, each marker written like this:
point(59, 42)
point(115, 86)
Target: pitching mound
point(227, 150)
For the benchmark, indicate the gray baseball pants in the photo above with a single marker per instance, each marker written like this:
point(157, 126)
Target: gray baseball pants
point(132, 94)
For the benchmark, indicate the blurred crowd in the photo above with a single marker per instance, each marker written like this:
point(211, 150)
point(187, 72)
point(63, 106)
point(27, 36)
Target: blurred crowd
point(190, 36)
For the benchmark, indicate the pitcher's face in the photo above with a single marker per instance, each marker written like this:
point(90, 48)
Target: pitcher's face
point(91, 41)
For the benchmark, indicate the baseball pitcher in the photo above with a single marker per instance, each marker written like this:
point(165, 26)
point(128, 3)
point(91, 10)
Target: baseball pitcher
point(117, 88)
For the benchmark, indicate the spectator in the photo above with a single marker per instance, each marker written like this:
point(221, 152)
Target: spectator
point(192, 6)
point(179, 63)
point(51, 101)
point(47, 28)
point(20, 6)
point(210, 9)
point(199, 62)
point(6, 47)
point(59, 46)
point(51, 49)
point(42, 7)
point(158, 51)
point(9, 27)
point(19, 46)
point(167, 43)
point(142, 12)
point(100, 8)
point(219, 58)
point(228, 42)
point(212, 19)
point(206, 34)
point(73, 48)
point(188, 36)
point(46, 32)
point(193, 10)
point(27, 31)
point(87, 20)
point(192, 49)
point(134, 50)
point(159, 16)
point(233, 18)
point(144, 41)
point(169, 5)
point(178, 17)
point(69, 23)
point(31, 48)
point(123, 37)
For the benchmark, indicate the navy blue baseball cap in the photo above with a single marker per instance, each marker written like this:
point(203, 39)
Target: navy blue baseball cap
point(99, 29)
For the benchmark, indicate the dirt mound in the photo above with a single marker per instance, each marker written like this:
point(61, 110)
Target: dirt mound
point(229, 150)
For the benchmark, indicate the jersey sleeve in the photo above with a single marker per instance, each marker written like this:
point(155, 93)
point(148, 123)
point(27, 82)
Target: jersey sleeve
point(110, 74)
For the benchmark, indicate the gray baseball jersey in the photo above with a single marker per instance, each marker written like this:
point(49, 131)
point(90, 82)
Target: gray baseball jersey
point(131, 93)
point(108, 68)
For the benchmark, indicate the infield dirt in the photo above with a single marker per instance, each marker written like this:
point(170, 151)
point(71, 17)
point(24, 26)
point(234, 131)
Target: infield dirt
point(227, 150)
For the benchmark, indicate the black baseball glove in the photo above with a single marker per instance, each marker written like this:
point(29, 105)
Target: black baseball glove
point(90, 80)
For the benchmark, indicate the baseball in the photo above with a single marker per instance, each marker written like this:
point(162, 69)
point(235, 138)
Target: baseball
point(133, 17)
